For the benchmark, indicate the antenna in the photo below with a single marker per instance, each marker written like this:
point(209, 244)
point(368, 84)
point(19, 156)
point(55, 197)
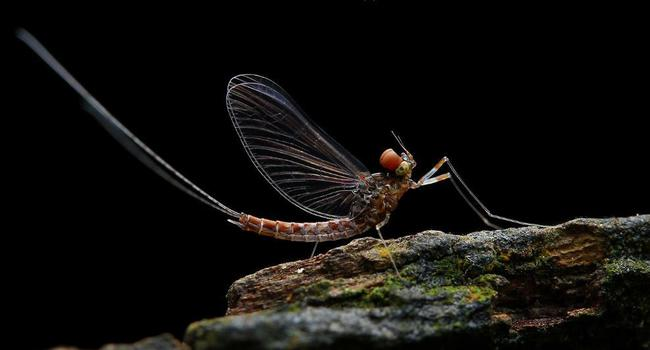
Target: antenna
point(399, 140)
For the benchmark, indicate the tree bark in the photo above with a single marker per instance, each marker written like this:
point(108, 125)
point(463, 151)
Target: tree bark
point(583, 284)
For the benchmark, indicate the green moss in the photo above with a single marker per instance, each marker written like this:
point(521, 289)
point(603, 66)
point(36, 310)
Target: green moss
point(490, 280)
point(318, 288)
point(480, 294)
point(315, 293)
point(625, 286)
point(385, 294)
point(626, 266)
point(465, 294)
point(377, 296)
point(444, 293)
point(538, 265)
point(452, 269)
point(410, 272)
point(325, 292)
point(293, 307)
point(333, 294)
point(351, 292)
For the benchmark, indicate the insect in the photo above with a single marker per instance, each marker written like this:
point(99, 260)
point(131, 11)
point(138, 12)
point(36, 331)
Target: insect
point(302, 162)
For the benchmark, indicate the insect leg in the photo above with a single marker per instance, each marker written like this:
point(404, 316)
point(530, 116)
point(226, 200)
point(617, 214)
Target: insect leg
point(423, 180)
point(481, 205)
point(427, 179)
point(438, 178)
point(378, 228)
point(313, 251)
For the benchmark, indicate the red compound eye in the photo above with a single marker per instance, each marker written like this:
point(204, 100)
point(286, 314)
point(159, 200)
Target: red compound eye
point(390, 160)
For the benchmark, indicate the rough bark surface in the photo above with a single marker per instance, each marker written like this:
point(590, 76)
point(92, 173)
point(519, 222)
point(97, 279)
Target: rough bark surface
point(584, 284)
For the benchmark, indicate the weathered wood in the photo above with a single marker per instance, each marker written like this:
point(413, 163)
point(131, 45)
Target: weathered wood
point(583, 283)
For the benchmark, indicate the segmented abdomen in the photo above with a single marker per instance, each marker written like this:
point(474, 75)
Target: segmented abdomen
point(302, 231)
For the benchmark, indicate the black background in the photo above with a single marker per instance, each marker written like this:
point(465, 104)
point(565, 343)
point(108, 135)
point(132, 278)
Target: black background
point(542, 111)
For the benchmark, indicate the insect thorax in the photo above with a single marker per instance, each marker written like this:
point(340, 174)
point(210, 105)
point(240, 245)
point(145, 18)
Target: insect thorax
point(379, 196)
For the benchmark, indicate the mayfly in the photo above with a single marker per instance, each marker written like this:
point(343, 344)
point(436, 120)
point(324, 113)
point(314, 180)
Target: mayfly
point(302, 162)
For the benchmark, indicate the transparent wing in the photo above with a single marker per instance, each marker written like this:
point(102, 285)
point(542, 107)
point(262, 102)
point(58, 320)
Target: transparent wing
point(302, 162)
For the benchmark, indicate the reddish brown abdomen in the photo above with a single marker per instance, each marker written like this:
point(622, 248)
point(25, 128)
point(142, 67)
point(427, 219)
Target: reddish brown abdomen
point(301, 231)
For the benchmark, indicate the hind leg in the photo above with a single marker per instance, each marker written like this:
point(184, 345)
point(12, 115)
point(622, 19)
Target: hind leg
point(313, 251)
point(390, 255)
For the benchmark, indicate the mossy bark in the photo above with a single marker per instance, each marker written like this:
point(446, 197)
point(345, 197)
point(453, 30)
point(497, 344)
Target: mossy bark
point(584, 283)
